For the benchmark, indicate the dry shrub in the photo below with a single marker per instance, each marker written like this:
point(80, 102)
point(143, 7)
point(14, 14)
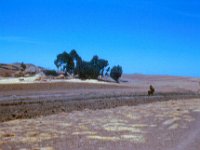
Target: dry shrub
point(19, 74)
point(6, 74)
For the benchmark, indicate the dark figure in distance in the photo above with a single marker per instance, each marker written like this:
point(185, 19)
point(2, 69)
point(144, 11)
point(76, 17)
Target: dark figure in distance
point(151, 91)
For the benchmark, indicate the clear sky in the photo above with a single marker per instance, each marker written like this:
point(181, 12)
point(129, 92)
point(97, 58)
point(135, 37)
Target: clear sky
point(144, 36)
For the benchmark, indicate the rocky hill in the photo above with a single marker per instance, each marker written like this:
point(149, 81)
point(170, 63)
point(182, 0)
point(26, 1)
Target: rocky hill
point(15, 70)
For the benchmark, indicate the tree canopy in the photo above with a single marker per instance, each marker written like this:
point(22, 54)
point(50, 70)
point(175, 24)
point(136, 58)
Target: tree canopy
point(72, 64)
point(100, 64)
point(64, 62)
point(116, 73)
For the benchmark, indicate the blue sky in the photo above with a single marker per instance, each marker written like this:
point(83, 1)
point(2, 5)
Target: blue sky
point(144, 36)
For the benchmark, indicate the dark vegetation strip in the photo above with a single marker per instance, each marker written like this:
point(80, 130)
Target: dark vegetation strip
point(22, 110)
point(64, 99)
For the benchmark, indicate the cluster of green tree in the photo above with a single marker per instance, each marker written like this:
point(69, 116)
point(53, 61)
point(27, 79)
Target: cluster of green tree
point(72, 64)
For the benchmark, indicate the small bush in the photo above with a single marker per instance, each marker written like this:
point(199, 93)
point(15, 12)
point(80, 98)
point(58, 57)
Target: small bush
point(19, 74)
point(116, 73)
point(23, 66)
point(6, 74)
point(151, 90)
point(50, 73)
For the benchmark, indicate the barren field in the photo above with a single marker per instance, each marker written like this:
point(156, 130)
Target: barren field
point(167, 125)
point(101, 116)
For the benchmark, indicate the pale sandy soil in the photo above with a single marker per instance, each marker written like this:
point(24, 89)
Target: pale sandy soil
point(29, 80)
point(12, 80)
point(171, 125)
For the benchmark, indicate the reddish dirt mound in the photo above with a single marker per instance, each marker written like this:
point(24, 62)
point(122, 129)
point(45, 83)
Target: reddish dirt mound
point(38, 87)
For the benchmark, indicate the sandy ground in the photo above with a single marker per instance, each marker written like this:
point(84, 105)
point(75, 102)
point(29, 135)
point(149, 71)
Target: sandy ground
point(33, 79)
point(85, 115)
